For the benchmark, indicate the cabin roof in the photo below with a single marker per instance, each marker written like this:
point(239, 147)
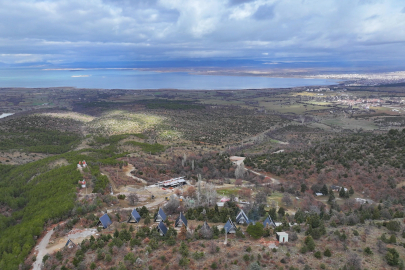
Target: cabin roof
point(269, 221)
point(183, 218)
point(240, 215)
point(136, 215)
point(105, 221)
point(228, 225)
point(161, 214)
point(162, 227)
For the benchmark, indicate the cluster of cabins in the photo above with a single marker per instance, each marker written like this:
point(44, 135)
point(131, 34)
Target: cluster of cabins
point(181, 220)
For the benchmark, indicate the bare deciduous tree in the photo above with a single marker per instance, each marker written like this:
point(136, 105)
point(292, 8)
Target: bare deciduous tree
point(261, 197)
point(133, 198)
point(205, 231)
point(172, 206)
point(240, 171)
point(286, 199)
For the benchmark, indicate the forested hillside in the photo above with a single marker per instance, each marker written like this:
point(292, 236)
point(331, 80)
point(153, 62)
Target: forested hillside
point(39, 134)
point(370, 163)
point(36, 194)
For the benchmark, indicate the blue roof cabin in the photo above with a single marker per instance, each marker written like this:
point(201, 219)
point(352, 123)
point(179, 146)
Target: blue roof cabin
point(162, 229)
point(69, 244)
point(160, 216)
point(104, 221)
point(269, 222)
point(180, 221)
point(134, 217)
point(242, 218)
point(230, 227)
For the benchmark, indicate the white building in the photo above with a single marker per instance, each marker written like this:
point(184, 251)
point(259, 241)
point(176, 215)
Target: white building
point(282, 237)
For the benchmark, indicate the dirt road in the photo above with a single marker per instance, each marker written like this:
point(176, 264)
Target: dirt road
point(42, 250)
point(149, 205)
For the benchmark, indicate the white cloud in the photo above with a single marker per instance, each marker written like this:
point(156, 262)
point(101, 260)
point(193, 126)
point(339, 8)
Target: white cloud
point(75, 30)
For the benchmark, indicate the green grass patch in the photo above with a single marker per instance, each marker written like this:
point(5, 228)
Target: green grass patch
point(228, 191)
point(148, 148)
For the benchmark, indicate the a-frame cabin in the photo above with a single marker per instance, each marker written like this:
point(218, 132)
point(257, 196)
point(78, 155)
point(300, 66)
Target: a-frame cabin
point(134, 217)
point(242, 218)
point(230, 227)
point(269, 222)
point(162, 229)
point(180, 221)
point(160, 216)
point(104, 221)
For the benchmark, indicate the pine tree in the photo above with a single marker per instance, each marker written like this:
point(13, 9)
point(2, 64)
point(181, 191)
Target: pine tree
point(324, 190)
point(331, 196)
point(342, 192)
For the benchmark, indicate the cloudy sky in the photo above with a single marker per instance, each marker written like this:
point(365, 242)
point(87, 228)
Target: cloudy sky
point(77, 32)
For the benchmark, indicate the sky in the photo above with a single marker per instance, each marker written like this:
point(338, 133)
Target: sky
point(115, 33)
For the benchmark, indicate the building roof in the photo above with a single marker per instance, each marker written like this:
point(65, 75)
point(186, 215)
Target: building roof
point(136, 215)
point(105, 221)
point(240, 215)
point(161, 214)
point(269, 221)
point(229, 225)
point(183, 218)
point(205, 226)
point(69, 242)
point(282, 233)
point(162, 227)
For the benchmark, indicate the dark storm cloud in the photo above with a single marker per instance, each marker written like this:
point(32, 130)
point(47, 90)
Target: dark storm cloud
point(63, 31)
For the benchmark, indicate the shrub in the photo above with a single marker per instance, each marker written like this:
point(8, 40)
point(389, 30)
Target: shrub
point(318, 255)
point(392, 256)
point(309, 242)
point(248, 249)
point(327, 253)
point(256, 231)
point(368, 251)
point(393, 239)
point(246, 257)
point(393, 225)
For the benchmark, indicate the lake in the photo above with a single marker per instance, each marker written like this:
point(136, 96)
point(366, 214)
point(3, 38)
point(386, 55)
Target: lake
point(135, 79)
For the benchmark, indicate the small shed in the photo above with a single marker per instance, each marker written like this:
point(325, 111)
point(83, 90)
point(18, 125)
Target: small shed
point(282, 237)
point(160, 216)
point(230, 227)
point(134, 217)
point(104, 221)
point(242, 218)
point(180, 221)
point(162, 229)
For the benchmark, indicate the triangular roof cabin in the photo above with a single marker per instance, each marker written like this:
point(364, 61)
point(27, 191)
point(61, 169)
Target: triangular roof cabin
point(104, 221)
point(162, 229)
point(161, 216)
point(269, 222)
point(180, 221)
point(242, 218)
point(70, 244)
point(230, 227)
point(134, 217)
